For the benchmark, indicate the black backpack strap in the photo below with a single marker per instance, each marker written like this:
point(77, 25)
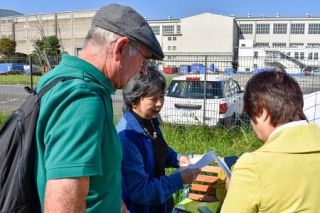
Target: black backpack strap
point(52, 84)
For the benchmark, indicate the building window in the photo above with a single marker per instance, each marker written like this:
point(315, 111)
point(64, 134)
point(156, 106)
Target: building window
point(296, 44)
point(310, 56)
point(297, 29)
point(313, 45)
point(243, 45)
point(174, 48)
point(261, 44)
point(302, 55)
point(315, 56)
point(255, 54)
point(296, 55)
point(314, 29)
point(156, 30)
point(178, 29)
point(280, 29)
point(279, 45)
point(246, 28)
point(288, 54)
point(168, 29)
point(169, 38)
point(262, 28)
point(174, 38)
point(77, 50)
point(255, 66)
point(169, 48)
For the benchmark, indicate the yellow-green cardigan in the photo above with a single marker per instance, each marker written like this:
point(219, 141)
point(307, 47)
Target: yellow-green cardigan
point(281, 176)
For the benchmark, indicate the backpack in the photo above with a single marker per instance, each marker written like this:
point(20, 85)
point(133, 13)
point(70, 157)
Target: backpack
point(18, 190)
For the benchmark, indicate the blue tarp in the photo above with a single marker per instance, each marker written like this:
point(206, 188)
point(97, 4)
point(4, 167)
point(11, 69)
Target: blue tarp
point(11, 67)
point(185, 68)
point(229, 71)
point(213, 68)
point(198, 68)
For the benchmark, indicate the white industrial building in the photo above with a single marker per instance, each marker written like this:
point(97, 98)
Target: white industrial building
point(246, 43)
point(292, 43)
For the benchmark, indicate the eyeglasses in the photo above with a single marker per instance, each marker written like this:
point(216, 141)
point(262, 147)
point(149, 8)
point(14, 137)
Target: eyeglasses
point(146, 58)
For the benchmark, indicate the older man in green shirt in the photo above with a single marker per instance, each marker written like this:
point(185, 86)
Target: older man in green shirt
point(78, 152)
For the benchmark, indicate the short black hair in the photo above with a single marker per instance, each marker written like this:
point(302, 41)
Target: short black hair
point(276, 92)
point(143, 86)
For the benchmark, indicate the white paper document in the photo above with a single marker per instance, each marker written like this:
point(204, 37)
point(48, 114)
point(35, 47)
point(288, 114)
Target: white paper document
point(222, 164)
point(205, 160)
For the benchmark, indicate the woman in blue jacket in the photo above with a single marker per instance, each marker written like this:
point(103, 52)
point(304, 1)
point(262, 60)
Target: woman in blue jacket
point(146, 154)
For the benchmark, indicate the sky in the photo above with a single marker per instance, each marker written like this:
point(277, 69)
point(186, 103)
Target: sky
point(162, 9)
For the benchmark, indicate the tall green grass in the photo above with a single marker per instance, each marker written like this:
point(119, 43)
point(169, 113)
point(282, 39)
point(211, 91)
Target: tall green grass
point(18, 79)
point(199, 139)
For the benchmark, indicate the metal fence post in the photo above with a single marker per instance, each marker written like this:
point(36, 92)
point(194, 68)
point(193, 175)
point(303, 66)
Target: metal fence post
point(31, 78)
point(205, 90)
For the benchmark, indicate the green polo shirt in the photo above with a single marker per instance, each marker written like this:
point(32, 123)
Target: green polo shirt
point(76, 136)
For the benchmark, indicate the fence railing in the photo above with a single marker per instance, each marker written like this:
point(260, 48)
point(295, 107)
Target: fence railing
point(12, 93)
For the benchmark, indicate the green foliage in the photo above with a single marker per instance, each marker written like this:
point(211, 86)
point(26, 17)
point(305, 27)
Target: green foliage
point(47, 47)
point(7, 47)
point(20, 55)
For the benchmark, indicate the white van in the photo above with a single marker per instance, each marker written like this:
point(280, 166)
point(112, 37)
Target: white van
point(186, 101)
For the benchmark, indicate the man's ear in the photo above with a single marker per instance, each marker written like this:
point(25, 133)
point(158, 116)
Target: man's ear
point(119, 47)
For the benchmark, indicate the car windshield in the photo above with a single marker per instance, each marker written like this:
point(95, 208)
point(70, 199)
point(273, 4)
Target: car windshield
point(195, 89)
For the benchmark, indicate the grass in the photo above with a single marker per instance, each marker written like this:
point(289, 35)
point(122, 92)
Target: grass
point(198, 139)
point(3, 117)
point(25, 79)
point(18, 79)
point(168, 80)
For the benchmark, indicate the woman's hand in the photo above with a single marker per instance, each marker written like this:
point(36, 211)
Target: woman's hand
point(184, 161)
point(189, 175)
point(124, 208)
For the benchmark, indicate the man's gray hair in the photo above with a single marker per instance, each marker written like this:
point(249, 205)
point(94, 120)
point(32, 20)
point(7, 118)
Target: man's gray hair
point(100, 37)
point(152, 83)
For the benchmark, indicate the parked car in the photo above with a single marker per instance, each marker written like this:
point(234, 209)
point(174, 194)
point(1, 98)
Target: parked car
point(187, 102)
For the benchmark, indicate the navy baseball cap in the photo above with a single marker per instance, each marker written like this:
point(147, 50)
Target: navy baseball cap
point(126, 21)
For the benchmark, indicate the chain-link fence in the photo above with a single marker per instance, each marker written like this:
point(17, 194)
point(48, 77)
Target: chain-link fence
point(212, 95)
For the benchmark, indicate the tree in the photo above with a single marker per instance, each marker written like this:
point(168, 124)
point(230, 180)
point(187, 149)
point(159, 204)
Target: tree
point(7, 47)
point(47, 50)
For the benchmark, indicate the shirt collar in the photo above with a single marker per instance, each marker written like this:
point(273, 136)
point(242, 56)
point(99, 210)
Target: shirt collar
point(89, 69)
point(287, 125)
